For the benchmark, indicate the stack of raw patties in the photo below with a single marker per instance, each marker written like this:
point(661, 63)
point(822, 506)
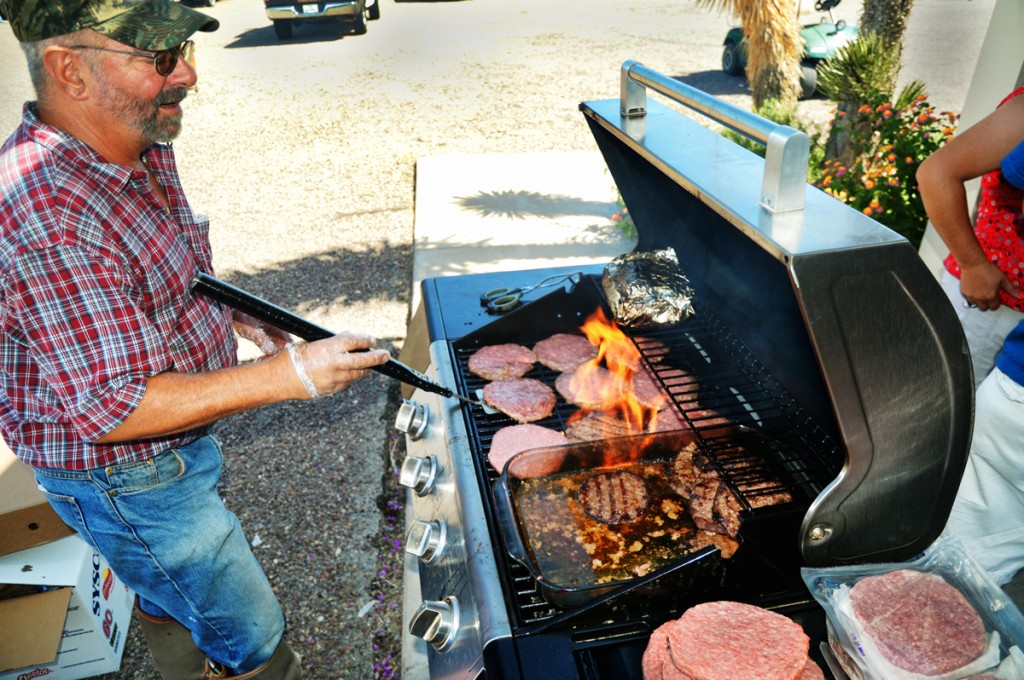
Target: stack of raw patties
point(729, 641)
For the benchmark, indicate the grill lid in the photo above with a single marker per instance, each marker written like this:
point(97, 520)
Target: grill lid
point(840, 309)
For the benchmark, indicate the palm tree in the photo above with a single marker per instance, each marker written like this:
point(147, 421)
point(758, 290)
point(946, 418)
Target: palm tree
point(887, 19)
point(863, 69)
point(774, 47)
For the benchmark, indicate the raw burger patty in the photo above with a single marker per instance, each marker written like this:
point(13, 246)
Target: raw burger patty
point(563, 352)
point(524, 400)
point(502, 362)
point(812, 671)
point(731, 640)
point(656, 663)
point(918, 621)
point(591, 387)
point(508, 441)
point(614, 497)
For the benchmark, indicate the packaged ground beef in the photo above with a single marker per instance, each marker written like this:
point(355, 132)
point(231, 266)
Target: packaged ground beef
point(938, 617)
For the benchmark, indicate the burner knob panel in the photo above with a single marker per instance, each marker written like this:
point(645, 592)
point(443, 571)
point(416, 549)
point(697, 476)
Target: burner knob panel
point(426, 540)
point(418, 474)
point(412, 419)
point(437, 622)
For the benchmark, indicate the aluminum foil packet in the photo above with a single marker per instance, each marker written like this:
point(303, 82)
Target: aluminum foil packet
point(647, 289)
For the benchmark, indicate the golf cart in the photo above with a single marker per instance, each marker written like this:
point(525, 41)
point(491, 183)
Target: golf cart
point(821, 40)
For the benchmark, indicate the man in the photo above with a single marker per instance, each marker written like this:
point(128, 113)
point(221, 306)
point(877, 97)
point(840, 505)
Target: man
point(112, 372)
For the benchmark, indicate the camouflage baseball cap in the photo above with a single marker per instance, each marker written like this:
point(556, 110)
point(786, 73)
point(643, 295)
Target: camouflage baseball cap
point(146, 24)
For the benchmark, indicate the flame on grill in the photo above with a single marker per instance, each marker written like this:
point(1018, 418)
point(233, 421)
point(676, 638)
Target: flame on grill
point(618, 355)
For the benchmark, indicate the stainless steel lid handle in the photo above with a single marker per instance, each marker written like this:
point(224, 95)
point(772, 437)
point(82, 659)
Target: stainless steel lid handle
point(437, 622)
point(784, 184)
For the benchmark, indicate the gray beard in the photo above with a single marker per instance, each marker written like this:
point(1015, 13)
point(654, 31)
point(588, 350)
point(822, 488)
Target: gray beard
point(143, 115)
point(165, 130)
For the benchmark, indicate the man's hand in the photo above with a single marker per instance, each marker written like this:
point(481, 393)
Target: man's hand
point(327, 366)
point(269, 339)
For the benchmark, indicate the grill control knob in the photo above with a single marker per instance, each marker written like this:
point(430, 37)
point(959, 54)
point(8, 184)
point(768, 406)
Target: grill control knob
point(437, 622)
point(418, 474)
point(412, 419)
point(426, 539)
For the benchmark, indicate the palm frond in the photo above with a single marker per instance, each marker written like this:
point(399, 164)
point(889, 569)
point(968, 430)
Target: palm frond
point(909, 93)
point(859, 71)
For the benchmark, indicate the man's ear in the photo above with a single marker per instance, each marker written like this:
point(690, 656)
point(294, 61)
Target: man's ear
point(66, 71)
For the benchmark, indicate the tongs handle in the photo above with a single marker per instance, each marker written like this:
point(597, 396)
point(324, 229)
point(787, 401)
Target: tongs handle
point(260, 309)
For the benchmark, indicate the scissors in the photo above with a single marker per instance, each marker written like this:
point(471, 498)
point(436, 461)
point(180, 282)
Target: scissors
point(501, 300)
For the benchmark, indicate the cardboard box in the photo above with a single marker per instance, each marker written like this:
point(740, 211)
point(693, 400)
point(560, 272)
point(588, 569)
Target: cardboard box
point(65, 614)
point(26, 518)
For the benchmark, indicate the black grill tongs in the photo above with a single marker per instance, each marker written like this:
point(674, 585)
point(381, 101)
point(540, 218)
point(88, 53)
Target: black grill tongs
point(258, 308)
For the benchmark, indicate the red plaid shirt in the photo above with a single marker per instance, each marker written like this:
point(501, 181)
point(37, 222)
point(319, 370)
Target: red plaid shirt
point(94, 297)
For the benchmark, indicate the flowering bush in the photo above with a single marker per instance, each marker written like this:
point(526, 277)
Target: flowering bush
point(622, 220)
point(889, 141)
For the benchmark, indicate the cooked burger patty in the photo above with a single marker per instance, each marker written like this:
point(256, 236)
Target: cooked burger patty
point(596, 426)
point(563, 351)
point(648, 391)
point(591, 387)
point(524, 400)
point(502, 362)
point(614, 497)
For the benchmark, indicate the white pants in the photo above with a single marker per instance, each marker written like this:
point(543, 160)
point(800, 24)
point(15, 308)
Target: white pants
point(988, 514)
point(985, 331)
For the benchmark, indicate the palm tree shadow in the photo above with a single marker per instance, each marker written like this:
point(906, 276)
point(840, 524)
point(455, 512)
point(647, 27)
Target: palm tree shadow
point(525, 204)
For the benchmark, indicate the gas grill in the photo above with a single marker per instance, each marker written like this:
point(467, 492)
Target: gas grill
point(822, 360)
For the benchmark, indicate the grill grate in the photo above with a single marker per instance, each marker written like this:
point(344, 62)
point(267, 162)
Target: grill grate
point(758, 435)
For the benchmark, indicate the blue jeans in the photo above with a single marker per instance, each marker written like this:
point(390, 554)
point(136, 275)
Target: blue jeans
point(166, 533)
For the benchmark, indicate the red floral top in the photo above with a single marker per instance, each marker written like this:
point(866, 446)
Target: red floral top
point(999, 206)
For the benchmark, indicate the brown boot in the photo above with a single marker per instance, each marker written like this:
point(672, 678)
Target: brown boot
point(171, 645)
point(284, 665)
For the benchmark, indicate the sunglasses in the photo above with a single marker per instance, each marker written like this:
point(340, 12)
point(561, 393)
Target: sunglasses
point(164, 61)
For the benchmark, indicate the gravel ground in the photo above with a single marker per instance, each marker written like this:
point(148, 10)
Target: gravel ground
point(303, 154)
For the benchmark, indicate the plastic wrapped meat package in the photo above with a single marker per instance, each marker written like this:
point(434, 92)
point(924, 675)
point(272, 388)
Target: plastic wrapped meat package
point(937, 617)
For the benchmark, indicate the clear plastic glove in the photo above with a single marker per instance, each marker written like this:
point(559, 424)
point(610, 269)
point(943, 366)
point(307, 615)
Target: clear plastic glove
point(269, 339)
point(330, 365)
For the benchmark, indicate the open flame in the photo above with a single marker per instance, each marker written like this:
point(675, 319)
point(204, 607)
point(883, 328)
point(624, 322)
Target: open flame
point(608, 379)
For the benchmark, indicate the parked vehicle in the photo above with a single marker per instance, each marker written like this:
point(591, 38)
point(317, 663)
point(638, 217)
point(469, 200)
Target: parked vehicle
point(286, 15)
point(821, 41)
